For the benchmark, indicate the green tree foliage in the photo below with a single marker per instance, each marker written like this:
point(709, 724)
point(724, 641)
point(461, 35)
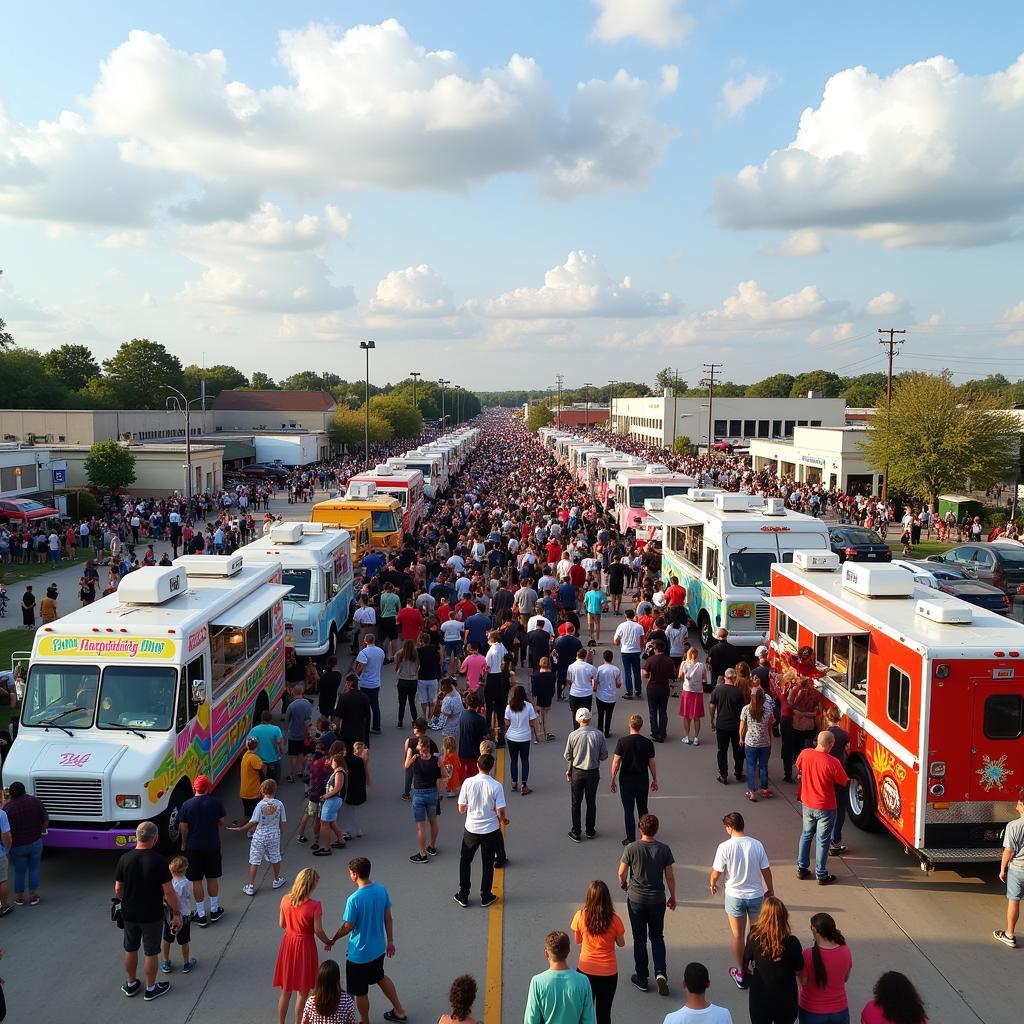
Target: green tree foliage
point(864, 391)
point(779, 385)
point(827, 383)
point(995, 384)
point(110, 466)
point(682, 445)
point(347, 428)
point(6, 338)
point(540, 416)
point(934, 439)
point(727, 389)
point(25, 384)
point(136, 372)
point(311, 380)
point(669, 378)
point(72, 365)
point(259, 381)
point(402, 418)
point(218, 378)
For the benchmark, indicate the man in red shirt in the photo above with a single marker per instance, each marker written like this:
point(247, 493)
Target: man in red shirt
point(675, 595)
point(820, 773)
point(410, 620)
point(577, 574)
point(464, 609)
point(553, 551)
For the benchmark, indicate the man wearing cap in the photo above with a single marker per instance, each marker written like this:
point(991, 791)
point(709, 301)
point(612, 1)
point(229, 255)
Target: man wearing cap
point(200, 820)
point(762, 671)
point(585, 749)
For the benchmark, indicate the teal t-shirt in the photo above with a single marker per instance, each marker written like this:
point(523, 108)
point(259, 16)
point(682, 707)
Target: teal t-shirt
point(559, 997)
point(593, 601)
point(389, 605)
point(364, 910)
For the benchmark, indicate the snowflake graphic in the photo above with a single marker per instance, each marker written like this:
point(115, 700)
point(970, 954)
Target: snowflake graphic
point(993, 774)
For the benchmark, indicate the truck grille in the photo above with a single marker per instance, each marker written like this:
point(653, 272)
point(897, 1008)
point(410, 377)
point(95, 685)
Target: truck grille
point(761, 617)
point(71, 798)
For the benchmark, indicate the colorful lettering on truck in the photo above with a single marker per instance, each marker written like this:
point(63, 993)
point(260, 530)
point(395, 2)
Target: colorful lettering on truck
point(116, 726)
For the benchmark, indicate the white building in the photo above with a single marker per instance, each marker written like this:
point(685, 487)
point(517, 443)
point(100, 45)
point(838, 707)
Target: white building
point(733, 419)
point(830, 456)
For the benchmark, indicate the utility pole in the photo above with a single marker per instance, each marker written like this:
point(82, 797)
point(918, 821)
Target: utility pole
point(675, 391)
point(586, 400)
point(559, 379)
point(890, 343)
point(415, 374)
point(708, 381)
point(611, 405)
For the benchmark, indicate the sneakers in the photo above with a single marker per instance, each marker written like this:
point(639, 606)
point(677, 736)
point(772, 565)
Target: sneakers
point(999, 936)
point(301, 839)
point(662, 982)
point(290, 778)
point(460, 899)
point(166, 967)
point(826, 879)
point(696, 741)
point(156, 991)
point(486, 901)
point(751, 796)
point(216, 915)
point(686, 740)
point(737, 976)
point(432, 851)
point(200, 920)
point(767, 794)
point(574, 836)
point(722, 779)
point(803, 874)
point(278, 882)
point(525, 790)
point(637, 983)
point(419, 858)
point(131, 988)
point(189, 965)
point(836, 849)
point(591, 835)
point(249, 890)
point(515, 787)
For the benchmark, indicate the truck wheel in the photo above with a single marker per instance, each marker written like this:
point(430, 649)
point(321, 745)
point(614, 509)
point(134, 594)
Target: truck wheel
point(704, 628)
point(170, 836)
point(862, 801)
point(332, 642)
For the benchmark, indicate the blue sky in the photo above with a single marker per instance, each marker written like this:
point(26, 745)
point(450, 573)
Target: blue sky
point(267, 201)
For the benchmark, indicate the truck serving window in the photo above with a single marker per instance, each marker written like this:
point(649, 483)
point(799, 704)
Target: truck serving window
point(754, 568)
point(300, 581)
point(62, 694)
point(845, 660)
point(137, 697)
point(692, 545)
point(1004, 716)
point(786, 628)
point(898, 705)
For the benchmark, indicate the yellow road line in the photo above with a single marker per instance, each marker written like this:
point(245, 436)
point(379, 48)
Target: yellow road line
point(495, 925)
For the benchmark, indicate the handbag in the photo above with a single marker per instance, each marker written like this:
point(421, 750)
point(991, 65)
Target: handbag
point(116, 912)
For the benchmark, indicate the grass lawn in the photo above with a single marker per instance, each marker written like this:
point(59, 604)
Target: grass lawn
point(923, 549)
point(12, 640)
point(17, 572)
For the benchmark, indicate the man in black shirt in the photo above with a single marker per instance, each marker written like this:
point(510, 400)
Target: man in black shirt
point(762, 672)
point(142, 882)
point(565, 651)
point(353, 710)
point(538, 645)
point(727, 702)
point(634, 766)
point(330, 683)
point(722, 655)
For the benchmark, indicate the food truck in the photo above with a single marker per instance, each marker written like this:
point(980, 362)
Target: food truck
point(634, 487)
point(128, 699)
point(405, 485)
point(932, 693)
point(721, 547)
point(316, 562)
point(363, 511)
point(431, 464)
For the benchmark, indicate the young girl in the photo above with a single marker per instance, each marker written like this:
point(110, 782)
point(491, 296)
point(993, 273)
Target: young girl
point(451, 768)
point(827, 967)
point(265, 828)
point(329, 1003)
point(694, 676)
point(357, 761)
point(542, 686)
point(331, 807)
point(598, 930)
point(183, 888)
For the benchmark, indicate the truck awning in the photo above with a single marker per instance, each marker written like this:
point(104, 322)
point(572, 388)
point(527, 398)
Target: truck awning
point(249, 610)
point(820, 621)
point(671, 518)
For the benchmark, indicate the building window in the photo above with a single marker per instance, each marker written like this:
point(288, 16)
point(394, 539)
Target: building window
point(815, 423)
point(721, 428)
point(776, 428)
point(734, 427)
point(788, 432)
point(749, 428)
point(898, 707)
point(762, 428)
point(1004, 716)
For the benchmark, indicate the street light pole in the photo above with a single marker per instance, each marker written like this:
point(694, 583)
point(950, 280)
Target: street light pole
point(611, 405)
point(184, 405)
point(586, 404)
point(443, 383)
point(415, 379)
point(366, 346)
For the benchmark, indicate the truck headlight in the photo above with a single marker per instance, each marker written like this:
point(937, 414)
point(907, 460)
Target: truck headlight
point(307, 632)
point(739, 612)
point(128, 802)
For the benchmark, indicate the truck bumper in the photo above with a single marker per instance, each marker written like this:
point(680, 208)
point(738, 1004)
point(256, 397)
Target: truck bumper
point(315, 651)
point(87, 839)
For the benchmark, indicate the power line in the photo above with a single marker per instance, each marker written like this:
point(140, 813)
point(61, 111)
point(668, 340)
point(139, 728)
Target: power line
point(708, 381)
point(890, 344)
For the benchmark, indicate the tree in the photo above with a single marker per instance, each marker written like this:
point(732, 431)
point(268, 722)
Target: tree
point(6, 338)
point(668, 378)
point(864, 391)
point(779, 385)
point(218, 378)
point(682, 445)
point(24, 384)
point(261, 382)
point(540, 416)
point(72, 365)
point(348, 426)
point(110, 466)
point(827, 383)
point(310, 380)
point(934, 439)
point(728, 389)
point(137, 370)
point(403, 419)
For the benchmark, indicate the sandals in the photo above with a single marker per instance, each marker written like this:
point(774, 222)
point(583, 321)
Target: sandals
point(337, 846)
point(324, 851)
point(525, 790)
point(752, 797)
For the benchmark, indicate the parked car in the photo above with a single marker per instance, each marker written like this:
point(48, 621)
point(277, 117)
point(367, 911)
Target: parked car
point(724, 446)
point(262, 471)
point(949, 580)
point(858, 544)
point(1000, 563)
point(24, 510)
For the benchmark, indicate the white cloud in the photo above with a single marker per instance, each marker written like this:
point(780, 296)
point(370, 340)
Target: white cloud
point(130, 238)
point(739, 93)
point(837, 332)
point(659, 22)
point(148, 300)
point(886, 304)
point(269, 229)
point(669, 80)
point(412, 292)
point(580, 287)
point(802, 242)
point(926, 156)
point(1015, 314)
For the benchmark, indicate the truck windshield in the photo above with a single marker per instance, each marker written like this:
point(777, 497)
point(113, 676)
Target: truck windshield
point(384, 522)
point(299, 580)
point(62, 694)
point(754, 568)
point(638, 495)
point(676, 489)
point(424, 468)
point(137, 697)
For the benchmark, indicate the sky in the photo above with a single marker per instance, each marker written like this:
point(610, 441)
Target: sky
point(498, 194)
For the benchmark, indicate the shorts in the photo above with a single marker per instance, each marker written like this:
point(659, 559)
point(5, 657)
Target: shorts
point(743, 906)
point(147, 935)
point(248, 806)
point(1014, 885)
point(426, 691)
point(313, 808)
point(330, 809)
point(424, 804)
point(203, 864)
point(453, 647)
point(359, 977)
point(265, 847)
point(184, 933)
point(387, 629)
point(296, 747)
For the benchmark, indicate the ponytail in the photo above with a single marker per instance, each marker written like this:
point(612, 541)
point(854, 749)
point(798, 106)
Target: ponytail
point(824, 926)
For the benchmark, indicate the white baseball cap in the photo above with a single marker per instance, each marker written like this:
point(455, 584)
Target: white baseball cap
point(583, 715)
point(761, 651)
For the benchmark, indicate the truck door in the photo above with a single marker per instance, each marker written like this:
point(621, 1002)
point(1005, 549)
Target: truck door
point(191, 726)
point(997, 746)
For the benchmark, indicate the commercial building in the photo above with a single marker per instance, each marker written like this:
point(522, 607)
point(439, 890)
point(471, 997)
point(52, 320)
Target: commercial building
point(159, 468)
point(663, 419)
point(273, 410)
point(829, 456)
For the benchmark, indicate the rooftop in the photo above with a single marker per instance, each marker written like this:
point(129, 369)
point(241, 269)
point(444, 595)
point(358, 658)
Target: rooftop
point(273, 401)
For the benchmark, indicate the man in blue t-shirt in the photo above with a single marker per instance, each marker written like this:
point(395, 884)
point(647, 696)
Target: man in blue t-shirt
point(367, 922)
point(369, 662)
point(269, 745)
point(200, 821)
point(477, 626)
point(372, 564)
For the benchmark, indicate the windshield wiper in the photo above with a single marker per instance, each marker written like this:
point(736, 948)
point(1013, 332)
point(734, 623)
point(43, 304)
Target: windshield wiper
point(53, 721)
point(125, 728)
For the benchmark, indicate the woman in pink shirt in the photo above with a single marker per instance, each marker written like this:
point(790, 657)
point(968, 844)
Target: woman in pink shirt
point(473, 666)
point(827, 966)
point(896, 1001)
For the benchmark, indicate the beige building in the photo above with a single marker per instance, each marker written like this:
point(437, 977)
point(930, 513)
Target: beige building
point(272, 410)
point(87, 426)
point(159, 468)
point(830, 456)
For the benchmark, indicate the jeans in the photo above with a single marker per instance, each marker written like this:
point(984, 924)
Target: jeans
point(631, 672)
point(604, 715)
point(373, 692)
point(842, 800)
point(406, 696)
point(757, 764)
point(835, 1017)
point(518, 753)
point(26, 859)
point(602, 989)
point(817, 825)
point(647, 920)
point(488, 843)
point(727, 738)
point(583, 783)
point(633, 795)
point(575, 703)
point(657, 706)
point(273, 770)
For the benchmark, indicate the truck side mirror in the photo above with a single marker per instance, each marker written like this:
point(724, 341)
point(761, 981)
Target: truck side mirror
point(198, 691)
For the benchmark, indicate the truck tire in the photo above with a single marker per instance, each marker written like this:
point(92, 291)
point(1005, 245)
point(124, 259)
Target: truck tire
point(170, 838)
point(862, 799)
point(704, 629)
point(332, 642)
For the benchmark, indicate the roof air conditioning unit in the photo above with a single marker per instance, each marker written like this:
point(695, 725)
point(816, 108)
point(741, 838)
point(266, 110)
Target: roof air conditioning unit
point(774, 507)
point(656, 469)
point(732, 502)
point(361, 490)
point(816, 561)
point(382, 470)
point(703, 494)
point(308, 528)
point(877, 580)
point(209, 565)
point(951, 612)
point(152, 585)
point(286, 533)
point(654, 504)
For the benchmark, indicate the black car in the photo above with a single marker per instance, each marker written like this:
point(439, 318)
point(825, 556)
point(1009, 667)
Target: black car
point(977, 593)
point(858, 544)
point(1001, 563)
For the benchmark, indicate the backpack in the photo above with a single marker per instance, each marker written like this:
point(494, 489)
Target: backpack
point(319, 772)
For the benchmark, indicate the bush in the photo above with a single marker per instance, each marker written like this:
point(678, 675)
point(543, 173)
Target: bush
point(87, 505)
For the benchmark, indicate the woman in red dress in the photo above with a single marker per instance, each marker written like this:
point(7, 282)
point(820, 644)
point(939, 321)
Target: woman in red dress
point(297, 959)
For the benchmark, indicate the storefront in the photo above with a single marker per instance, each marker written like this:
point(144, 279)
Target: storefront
point(830, 457)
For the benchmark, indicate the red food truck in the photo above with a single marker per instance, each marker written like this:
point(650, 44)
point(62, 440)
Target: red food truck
point(932, 693)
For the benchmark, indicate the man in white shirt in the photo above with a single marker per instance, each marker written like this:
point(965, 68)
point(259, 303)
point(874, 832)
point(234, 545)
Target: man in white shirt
point(748, 879)
point(364, 620)
point(582, 677)
point(629, 638)
point(697, 1009)
point(482, 800)
point(540, 621)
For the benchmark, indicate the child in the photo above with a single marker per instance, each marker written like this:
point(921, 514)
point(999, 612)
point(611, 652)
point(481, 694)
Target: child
point(451, 768)
point(183, 889)
point(358, 764)
point(319, 773)
point(334, 796)
point(265, 829)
